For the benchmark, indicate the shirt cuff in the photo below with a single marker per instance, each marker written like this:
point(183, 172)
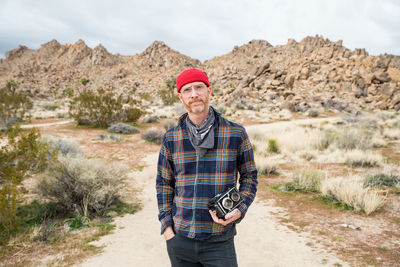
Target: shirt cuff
point(243, 209)
point(165, 222)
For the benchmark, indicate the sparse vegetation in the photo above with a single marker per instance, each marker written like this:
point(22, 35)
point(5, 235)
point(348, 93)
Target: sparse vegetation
point(23, 153)
point(122, 128)
point(350, 191)
point(100, 109)
point(168, 95)
point(153, 135)
point(63, 146)
point(273, 145)
point(84, 186)
point(13, 105)
point(84, 81)
point(306, 180)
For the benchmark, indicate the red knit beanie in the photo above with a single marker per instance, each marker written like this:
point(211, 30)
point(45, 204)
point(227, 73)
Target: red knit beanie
point(189, 76)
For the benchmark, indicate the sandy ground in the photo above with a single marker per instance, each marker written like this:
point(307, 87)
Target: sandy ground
point(261, 240)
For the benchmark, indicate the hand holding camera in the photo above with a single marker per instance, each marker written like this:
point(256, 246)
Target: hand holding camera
point(223, 207)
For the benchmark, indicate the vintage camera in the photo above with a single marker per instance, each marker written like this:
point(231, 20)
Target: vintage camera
point(225, 202)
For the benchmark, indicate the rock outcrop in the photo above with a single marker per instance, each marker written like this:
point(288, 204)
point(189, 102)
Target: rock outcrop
point(311, 73)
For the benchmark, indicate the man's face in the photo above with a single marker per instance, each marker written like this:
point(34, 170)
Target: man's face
point(195, 97)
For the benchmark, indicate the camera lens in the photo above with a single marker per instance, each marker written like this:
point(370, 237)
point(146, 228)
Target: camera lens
point(227, 203)
point(235, 196)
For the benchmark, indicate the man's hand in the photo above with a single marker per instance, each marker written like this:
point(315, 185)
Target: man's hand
point(230, 217)
point(169, 233)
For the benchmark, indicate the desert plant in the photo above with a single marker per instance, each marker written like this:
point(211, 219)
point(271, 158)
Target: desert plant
point(272, 145)
point(84, 81)
point(84, 186)
point(13, 104)
point(349, 139)
point(132, 114)
point(306, 180)
point(153, 135)
point(22, 153)
point(168, 94)
point(359, 158)
point(122, 128)
point(351, 192)
point(64, 146)
point(99, 108)
point(69, 92)
point(382, 179)
point(266, 166)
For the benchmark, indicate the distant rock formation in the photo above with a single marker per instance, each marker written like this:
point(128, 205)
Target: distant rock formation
point(301, 75)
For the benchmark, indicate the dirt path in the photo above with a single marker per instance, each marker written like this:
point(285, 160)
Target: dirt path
point(261, 240)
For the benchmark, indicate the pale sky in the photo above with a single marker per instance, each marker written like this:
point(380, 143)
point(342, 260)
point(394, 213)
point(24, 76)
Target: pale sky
point(199, 29)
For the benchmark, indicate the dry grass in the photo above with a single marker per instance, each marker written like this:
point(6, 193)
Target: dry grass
point(359, 158)
point(265, 165)
point(392, 134)
point(306, 179)
point(350, 191)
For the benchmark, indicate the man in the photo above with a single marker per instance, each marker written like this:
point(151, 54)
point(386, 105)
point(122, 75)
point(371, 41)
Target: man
point(200, 158)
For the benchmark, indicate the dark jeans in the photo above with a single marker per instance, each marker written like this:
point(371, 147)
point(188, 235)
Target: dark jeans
point(183, 251)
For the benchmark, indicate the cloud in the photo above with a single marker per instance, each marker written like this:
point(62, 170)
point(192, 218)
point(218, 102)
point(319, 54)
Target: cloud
point(199, 29)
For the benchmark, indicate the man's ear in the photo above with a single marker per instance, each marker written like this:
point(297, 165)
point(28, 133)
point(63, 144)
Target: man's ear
point(209, 90)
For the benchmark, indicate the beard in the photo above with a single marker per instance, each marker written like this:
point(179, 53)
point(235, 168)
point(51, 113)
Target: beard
point(196, 106)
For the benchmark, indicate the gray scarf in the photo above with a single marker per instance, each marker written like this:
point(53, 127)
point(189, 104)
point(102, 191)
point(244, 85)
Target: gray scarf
point(202, 138)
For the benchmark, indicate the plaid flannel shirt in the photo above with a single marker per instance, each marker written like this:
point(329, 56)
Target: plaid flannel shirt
point(185, 183)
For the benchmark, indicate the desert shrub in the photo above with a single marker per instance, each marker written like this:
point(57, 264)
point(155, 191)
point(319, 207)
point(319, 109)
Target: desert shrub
point(266, 166)
point(349, 139)
point(51, 107)
point(313, 113)
point(382, 179)
point(168, 95)
point(84, 186)
point(64, 146)
point(324, 139)
point(305, 180)
point(150, 119)
point(69, 92)
point(116, 138)
point(13, 104)
point(272, 145)
point(168, 124)
point(77, 222)
point(132, 114)
point(393, 134)
point(359, 158)
point(146, 96)
point(122, 128)
point(100, 109)
point(351, 192)
point(84, 81)
point(153, 135)
point(23, 153)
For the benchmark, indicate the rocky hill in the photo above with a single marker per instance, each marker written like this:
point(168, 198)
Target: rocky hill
point(301, 75)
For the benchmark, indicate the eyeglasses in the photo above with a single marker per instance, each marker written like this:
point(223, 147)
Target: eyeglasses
point(199, 89)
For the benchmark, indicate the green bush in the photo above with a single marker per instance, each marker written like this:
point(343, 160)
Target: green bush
point(69, 92)
point(23, 153)
point(272, 145)
point(133, 114)
point(13, 104)
point(101, 109)
point(168, 95)
point(84, 81)
point(84, 186)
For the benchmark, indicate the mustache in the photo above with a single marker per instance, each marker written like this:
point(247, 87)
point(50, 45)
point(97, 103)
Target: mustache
point(196, 100)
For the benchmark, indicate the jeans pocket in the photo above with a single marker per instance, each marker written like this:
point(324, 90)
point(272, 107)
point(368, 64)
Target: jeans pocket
point(171, 239)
